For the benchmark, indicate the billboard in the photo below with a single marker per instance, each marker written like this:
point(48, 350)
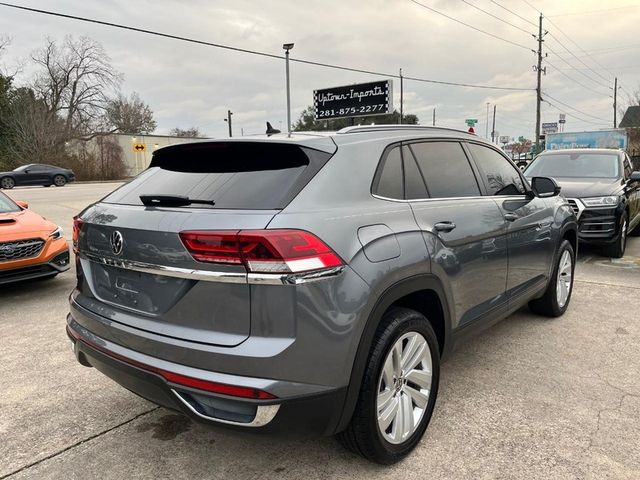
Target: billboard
point(616, 138)
point(372, 98)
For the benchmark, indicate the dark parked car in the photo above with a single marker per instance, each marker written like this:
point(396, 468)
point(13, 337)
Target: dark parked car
point(36, 174)
point(314, 282)
point(603, 190)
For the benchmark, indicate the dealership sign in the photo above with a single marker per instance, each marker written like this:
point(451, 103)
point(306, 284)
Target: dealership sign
point(551, 127)
point(373, 98)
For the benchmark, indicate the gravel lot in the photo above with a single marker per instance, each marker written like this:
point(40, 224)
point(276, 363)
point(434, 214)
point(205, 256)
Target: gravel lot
point(530, 398)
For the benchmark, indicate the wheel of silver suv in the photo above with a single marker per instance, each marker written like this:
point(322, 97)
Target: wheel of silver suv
point(399, 388)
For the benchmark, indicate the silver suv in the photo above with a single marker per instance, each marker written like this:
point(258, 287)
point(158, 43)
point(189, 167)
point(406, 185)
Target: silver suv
point(315, 282)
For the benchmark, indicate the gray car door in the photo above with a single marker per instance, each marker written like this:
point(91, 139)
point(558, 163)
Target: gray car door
point(464, 231)
point(529, 220)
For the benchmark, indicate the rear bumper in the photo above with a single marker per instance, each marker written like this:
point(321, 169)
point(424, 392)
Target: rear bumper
point(299, 415)
point(58, 263)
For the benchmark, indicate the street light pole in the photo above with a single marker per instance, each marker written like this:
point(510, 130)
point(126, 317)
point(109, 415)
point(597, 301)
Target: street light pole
point(287, 47)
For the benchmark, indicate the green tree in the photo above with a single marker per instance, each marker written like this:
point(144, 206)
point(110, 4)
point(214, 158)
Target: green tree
point(307, 121)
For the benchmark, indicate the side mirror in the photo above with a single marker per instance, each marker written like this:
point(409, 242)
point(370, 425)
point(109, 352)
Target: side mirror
point(635, 176)
point(21, 204)
point(27, 171)
point(545, 187)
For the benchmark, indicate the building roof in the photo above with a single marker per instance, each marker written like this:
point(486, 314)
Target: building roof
point(631, 117)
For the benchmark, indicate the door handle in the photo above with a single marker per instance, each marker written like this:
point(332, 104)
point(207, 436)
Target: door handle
point(444, 226)
point(511, 217)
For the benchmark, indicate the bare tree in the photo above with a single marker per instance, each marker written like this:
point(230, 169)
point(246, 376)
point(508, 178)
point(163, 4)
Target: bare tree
point(192, 132)
point(129, 115)
point(74, 83)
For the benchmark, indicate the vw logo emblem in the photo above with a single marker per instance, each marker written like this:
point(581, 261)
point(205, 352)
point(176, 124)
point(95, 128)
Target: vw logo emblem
point(117, 242)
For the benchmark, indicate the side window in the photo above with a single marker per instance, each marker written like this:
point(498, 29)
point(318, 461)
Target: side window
point(388, 179)
point(445, 169)
point(501, 177)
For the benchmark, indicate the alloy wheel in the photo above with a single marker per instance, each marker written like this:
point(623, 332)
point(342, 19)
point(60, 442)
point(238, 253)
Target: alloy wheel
point(404, 387)
point(7, 183)
point(565, 278)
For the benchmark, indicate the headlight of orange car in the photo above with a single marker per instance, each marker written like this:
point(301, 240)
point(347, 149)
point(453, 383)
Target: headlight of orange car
point(57, 233)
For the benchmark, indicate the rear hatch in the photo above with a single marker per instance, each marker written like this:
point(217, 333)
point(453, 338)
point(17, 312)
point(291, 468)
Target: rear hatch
point(154, 283)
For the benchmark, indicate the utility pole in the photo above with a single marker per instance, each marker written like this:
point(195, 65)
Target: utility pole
point(539, 70)
point(401, 97)
point(434, 117)
point(486, 126)
point(615, 103)
point(287, 47)
point(228, 120)
point(493, 127)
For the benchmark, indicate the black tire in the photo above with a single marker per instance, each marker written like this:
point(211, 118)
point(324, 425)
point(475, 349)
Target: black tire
point(548, 304)
point(59, 180)
point(7, 183)
point(363, 436)
point(616, 249)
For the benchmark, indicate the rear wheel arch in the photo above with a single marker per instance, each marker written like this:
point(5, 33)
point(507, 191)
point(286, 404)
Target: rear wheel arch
point(423, 293)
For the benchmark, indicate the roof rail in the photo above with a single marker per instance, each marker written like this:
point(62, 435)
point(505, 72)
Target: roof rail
point(378, 128)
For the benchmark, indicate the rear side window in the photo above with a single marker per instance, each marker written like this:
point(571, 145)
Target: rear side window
point(388, 180)
point(445, 169)
point(501, 177)
point(243, 175)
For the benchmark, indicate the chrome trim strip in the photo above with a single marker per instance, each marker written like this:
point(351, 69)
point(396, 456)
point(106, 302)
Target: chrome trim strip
point(579, 205)
point(221, 277)
point(192, 274)
point(293, 278)
point(264, 414)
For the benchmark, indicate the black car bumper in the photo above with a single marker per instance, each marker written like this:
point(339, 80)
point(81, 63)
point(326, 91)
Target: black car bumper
point(58, 264)
point(599, 226)
point(308, 416)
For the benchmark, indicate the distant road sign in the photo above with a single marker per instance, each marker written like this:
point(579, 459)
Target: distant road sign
point(551, 127)
point(471, 121)
point(504, 138)
point(562, 118)
point(139, 147)
point(373, 98)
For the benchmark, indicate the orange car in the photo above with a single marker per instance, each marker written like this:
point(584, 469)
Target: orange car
point(30, 246)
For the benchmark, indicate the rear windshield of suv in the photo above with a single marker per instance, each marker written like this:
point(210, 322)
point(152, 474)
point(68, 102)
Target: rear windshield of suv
point(242, 175)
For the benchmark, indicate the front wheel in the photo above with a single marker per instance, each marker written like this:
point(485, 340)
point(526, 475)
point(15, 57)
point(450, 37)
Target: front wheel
point(556, 298)
point(617, 248)
point(7, 183)
point(398, 391)
point(59, 181)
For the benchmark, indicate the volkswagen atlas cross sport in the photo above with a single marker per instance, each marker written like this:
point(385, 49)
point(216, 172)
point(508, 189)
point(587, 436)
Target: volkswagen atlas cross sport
point(603, 190)
point(313, 282)
point(30, 246)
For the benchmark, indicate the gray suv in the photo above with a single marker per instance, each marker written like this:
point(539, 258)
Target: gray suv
point(315, 282)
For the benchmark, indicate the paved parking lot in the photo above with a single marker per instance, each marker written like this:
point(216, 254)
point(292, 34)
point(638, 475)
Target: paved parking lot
point(530, 398)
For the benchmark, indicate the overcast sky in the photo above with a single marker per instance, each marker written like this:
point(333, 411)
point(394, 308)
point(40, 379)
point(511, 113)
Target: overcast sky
point(190, 85)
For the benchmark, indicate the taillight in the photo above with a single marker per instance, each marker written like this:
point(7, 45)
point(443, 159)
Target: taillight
point(77, 226)
point(262, 251)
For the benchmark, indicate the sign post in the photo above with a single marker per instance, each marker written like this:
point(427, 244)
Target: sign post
point(373, 98)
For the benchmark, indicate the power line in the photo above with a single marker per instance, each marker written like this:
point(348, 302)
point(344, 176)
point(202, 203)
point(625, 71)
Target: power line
point(573, 79)
point(256, 52)
point(572, 108)
point(580, 48)
point(513, 13)
point(594, 11)
point(597, 82)
point(574, 116)
point(470, 26)
point(496, 17)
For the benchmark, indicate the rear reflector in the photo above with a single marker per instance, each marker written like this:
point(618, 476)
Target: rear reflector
point(262, 251)
point(183, 380)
